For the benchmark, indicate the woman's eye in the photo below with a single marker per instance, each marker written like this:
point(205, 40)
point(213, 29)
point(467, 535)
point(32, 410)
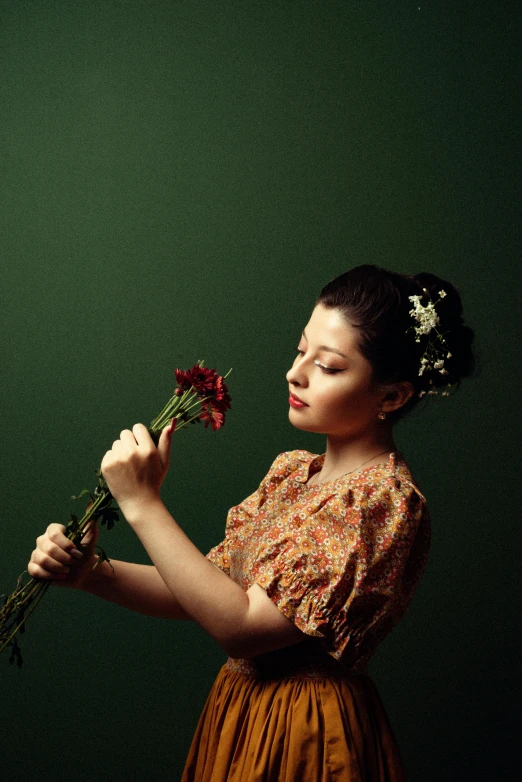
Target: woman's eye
point(328, 370)
point(323, 367)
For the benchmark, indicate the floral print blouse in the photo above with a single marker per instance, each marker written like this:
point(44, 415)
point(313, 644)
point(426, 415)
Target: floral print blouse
point(340, 559)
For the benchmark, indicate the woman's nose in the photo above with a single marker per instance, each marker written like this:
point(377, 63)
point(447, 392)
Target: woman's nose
point(297, 374)
point(290, 375)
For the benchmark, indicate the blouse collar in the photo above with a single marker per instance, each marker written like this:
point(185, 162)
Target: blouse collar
point(395, 466)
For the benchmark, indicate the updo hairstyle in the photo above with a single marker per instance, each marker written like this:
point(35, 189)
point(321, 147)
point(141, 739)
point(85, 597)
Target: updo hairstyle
point(375, 302)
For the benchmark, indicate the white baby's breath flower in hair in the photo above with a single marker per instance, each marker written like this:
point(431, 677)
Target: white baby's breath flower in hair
point(427, 319)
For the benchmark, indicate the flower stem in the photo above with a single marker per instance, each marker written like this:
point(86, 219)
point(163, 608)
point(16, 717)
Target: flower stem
point(186, 406)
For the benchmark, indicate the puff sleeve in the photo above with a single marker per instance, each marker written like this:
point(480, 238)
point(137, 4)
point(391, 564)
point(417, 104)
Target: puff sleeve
point(220, 557)
point(241, 514)
point(348, 569)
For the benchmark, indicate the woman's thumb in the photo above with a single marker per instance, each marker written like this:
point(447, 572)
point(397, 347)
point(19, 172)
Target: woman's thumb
point(91, 536)
point(165, 442)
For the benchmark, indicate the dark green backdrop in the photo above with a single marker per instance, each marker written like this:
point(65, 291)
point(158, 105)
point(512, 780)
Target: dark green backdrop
point(178, 181)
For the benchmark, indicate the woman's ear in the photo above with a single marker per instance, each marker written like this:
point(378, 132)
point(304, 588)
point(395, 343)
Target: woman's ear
point(397, 396)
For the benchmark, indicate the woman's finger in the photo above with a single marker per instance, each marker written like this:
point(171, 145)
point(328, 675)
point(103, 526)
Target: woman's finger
point(165, 443)
point(59, 555)
point(56, 534)
point(46, 562)
point(142, 437)
point(35, 571)
point(91, 536)
point(127, 438)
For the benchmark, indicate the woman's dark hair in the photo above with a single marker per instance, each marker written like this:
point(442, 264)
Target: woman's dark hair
point(375, 301)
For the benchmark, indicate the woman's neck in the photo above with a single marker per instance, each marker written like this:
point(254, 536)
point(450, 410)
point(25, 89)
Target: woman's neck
point(346, 456)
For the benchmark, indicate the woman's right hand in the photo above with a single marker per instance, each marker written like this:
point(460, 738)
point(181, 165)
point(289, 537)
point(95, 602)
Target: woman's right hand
point(57, 559)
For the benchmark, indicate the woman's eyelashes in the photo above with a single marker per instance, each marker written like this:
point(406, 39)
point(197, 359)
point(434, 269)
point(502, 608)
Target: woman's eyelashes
point(327, 370)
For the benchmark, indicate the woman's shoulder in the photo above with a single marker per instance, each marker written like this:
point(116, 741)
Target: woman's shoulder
point(387, 492)
point(289, 462)
point(402, 476)
point(395, 472)
point(391, 492)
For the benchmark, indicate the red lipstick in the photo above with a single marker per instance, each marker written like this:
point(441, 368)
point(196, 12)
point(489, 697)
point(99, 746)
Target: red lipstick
point(294, 401)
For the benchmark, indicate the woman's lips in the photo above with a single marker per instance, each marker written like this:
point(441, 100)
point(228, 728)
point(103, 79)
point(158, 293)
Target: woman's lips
point(294, 401)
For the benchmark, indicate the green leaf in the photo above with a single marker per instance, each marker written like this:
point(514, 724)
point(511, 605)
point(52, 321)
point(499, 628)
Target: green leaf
point(102, 483)
point(81, 494)
point(102, 557)
point(108, 516)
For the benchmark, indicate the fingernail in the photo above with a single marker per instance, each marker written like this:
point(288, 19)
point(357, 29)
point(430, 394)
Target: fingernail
point(76, 553)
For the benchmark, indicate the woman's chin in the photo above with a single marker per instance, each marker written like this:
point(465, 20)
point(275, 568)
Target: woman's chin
point(294, 419)
point(298, 422)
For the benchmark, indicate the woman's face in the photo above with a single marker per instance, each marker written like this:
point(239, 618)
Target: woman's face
point(330, 381)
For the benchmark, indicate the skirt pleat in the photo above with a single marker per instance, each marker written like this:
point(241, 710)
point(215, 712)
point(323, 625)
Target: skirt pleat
point(293, 730)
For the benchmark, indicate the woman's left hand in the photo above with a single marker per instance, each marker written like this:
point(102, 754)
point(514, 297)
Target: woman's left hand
point(135, 468)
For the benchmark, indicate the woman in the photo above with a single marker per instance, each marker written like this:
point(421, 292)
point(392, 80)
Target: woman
point(319, 563)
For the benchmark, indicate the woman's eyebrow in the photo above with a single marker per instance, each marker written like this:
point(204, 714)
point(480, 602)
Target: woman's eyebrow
point(326, 348)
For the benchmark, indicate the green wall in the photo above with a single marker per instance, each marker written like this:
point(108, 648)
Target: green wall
point(178, 181)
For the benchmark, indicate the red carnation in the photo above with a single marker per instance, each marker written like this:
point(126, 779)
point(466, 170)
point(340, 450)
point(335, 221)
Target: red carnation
point(204, 380)
point(211, 415)
point(221, 392)
point(211, 390)
point(183, 380)
point(201, 379)
point(206, 383)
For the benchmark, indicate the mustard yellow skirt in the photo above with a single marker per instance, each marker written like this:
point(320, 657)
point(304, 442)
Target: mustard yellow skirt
point(300, 726)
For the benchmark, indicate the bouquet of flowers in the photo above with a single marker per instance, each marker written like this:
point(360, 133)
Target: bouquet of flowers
point(200, 395)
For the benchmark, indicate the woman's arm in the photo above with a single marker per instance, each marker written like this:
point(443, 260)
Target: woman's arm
point(137, 587)
point(244, 624)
